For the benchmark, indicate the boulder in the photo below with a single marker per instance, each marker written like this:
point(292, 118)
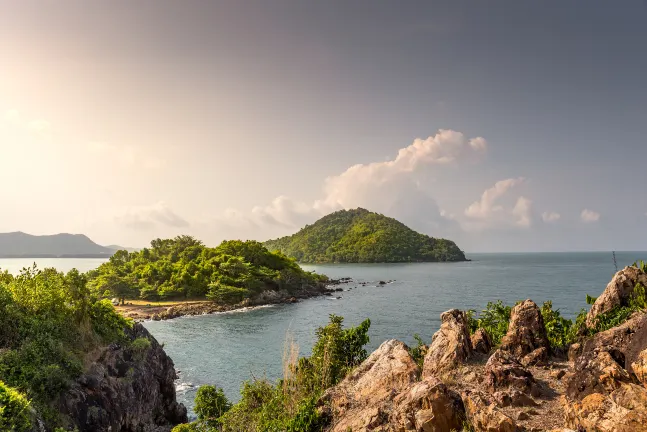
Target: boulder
point(617, 292)
point(526, 332)
point(481, 342)
point(125, 390)
point(622, 410)
point(503, 371)
point(365, 397)
point(427, 406)
point(484, 416)
point(450, 346)
point(639, 367)
point(538, 357)
point(513, 398)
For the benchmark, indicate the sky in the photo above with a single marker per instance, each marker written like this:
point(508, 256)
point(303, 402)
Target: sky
point(504, 126)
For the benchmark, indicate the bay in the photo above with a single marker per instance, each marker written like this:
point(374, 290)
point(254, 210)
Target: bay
point(226, 349)
point(15, 265)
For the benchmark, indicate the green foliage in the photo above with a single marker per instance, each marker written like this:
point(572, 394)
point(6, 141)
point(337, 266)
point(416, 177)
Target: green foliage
point(49, 319)
point(211, 404)
point(362, 236)
point(494, 319)
point(183, 268)
point(419, 351)
point(557, 327)
point(290, 404)
point(140, 347)
point(637, 302)
point(14, 410)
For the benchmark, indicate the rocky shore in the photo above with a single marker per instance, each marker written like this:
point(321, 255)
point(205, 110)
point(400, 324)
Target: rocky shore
point(521, 385)
point(192, 308)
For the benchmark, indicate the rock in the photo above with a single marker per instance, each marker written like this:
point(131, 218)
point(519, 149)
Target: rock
point(481, 342)
point(428, 406)
point(639, 367)
point(512, 398)
point(558, 374)
point(526, 332)
point(503, 371)
point(624, 409)
point(125, 390)
point(617, 292)
point(450, 346)
point(522, 416)
point(538, 357)
point(486, 417)
point(596, 371)
point(382, 283)
point(574, 351)
point(364, 397)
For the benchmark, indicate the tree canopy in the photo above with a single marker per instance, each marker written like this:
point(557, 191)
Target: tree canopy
point(184, 267)
point(362, 236)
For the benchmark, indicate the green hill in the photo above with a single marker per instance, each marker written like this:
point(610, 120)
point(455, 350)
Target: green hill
point(362, 236)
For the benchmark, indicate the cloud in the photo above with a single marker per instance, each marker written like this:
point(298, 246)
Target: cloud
point(149, 217)
point(550, 216)
point(446, 147)
point(589, 216)
point(488, 204)
point(522, 211)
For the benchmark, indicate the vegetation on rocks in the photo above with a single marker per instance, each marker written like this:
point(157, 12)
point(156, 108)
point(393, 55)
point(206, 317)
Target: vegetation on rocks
point(362, 236)
point(184, 268)
point(49, 322)
point(289, 404)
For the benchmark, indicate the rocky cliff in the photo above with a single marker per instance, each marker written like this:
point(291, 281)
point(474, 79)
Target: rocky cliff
point(520, 386)
point(126, 387)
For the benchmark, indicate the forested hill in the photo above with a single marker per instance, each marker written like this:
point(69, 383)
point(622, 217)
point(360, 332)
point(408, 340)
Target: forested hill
point(19, 244)
point(362, 236)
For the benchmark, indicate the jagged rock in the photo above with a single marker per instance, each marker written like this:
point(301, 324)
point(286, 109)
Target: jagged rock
point(639, 367)
point(481, 342)
point(428, 406)
point(526, 332)
point(622, 410)
point(574, 351)
point(617, 292)
point(125, 390)
point(450, 346)
point(513, 398)
point(486, 417)
point(364, 398)
point(536, 358)
point(503, 371)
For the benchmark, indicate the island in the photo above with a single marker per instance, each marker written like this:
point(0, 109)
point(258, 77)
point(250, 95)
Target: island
point(362, 236)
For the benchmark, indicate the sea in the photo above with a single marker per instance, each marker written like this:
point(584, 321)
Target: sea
point(226, 349)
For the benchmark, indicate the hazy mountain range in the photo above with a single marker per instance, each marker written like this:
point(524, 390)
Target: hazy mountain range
point(22, 245)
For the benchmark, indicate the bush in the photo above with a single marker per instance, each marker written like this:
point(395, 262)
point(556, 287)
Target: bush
point(140, 347)
point(418, 353)
point(494, 319)
point(211, 404)
point(14, 410)
point(557, 327)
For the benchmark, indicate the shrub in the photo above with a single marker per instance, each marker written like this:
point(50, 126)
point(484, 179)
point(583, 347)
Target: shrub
point(418, 352)
point(14, 410)
point(494, 319)
point(557, 327)
point(211, 404)
point(140, 347)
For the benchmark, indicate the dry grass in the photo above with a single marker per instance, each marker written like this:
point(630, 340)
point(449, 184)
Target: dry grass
point(290, 361)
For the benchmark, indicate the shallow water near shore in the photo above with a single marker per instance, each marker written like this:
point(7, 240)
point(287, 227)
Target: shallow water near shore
point(227, 348)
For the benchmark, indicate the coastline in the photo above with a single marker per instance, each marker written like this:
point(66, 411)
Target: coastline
point(170, 310)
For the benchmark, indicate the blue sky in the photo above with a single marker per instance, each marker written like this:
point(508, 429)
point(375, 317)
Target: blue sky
point(133, 120)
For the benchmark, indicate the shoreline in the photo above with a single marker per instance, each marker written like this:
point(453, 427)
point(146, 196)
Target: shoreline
point(170, 310)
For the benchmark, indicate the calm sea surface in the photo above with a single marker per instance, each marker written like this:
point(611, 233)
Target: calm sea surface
point(226, 349)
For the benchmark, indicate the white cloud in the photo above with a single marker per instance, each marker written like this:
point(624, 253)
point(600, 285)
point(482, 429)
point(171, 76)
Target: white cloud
point(488, 204)
point(550, 216)
point(523, 212)
point(148, 217)
point(589, 216)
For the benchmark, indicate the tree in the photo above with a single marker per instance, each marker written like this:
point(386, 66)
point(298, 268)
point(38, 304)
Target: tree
point(119, 286)
point(210, 404)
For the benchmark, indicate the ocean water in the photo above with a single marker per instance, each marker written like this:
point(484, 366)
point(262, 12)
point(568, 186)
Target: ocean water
point(15, 265)
point(228, 348)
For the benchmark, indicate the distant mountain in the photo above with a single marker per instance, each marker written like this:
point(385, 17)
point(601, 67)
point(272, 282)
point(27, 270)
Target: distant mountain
point(21, 245)
point(362, 236)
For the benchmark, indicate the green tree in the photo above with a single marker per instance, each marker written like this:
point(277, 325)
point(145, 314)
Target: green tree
point(211, 404)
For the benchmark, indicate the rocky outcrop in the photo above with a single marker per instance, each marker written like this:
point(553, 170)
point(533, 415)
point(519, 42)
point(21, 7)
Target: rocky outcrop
point(481, 342)
point(450, 346)
point(526, 331)
point(617, 292)
point(485, 416)
point(503, 371)
point(126, 388)
point(639, 367)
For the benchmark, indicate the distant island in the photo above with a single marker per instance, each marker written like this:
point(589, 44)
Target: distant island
point(22, 245)
point(362, 236)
